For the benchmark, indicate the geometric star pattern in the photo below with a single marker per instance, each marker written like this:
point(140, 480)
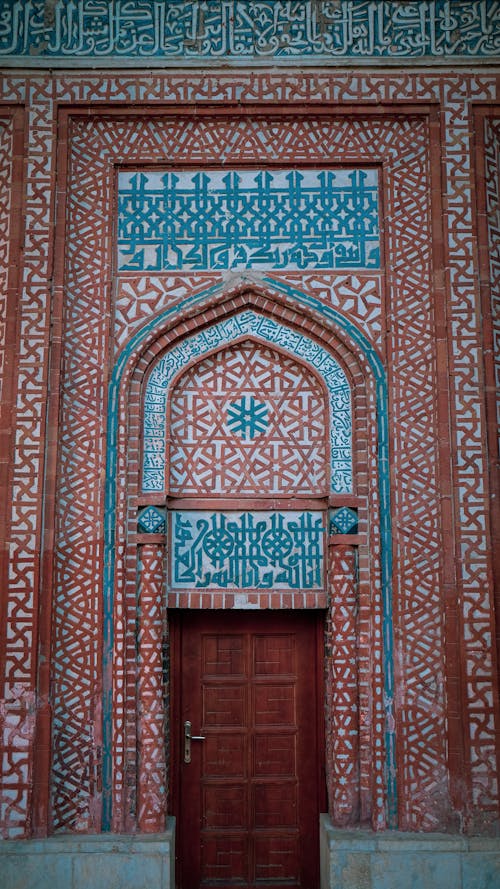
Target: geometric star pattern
point(287, 452)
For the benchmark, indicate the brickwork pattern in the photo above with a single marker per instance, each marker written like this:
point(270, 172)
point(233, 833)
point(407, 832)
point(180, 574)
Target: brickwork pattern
point(152, 783)
point(407, 185)
point(342, 695)
point(471, 475)
point(407, 311)
point(6, 154)
point(273, 303)
point(248, 421)
point(24, 491)
point(492, 180)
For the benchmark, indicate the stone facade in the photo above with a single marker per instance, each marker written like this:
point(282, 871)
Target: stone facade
point(249, 359)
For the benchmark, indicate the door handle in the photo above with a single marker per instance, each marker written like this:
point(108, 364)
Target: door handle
point(188, 737)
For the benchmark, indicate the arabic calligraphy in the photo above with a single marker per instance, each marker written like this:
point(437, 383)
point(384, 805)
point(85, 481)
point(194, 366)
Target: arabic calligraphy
point(246, 29)
point(248, 219)
point(249, 550)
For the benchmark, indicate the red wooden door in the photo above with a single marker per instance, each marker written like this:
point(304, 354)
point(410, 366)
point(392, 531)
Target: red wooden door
point(249, 798)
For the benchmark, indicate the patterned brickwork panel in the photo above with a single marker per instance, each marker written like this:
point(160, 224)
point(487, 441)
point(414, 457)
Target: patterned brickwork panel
point(6, 127)
point(26, 352)
point(152, 790)
point(250, 550)
point(404, 144)
point(471, 470)
point(242, 424)
point(341, 711)
point(358, 296)
point(245, 219)
point(96, 145)
point(248, 421)
point(492, 139)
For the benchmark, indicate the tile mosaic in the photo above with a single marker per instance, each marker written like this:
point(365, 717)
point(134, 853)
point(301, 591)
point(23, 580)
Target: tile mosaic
point(312, 30)
point(247, 550)
point(266, 219)
point(248, 420)
point(412, 332)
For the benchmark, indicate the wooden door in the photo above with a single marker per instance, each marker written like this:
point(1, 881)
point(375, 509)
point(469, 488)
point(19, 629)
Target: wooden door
point(248, 801)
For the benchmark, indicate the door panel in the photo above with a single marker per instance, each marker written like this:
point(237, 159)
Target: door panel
point(248, 802)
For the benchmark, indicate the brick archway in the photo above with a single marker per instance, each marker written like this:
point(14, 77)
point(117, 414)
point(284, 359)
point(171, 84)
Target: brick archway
point(354, 567)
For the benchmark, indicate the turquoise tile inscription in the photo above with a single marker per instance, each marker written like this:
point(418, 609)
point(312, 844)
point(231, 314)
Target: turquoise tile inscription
point(319, 30)
point(249, 550)
point(279, 219)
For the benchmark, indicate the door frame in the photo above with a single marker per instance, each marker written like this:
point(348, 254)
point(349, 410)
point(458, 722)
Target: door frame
point(177, 619)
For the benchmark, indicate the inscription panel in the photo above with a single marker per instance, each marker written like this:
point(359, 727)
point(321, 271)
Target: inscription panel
point(247, 550)
point(284, 219)
point(315, 30)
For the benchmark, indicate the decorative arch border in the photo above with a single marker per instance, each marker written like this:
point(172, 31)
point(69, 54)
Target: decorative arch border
point(266, 330)
point(130, 355)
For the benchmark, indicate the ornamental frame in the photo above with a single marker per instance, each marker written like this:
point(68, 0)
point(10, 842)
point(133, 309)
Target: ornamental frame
point(470, 755)
point(353, 579)
point(105, 150)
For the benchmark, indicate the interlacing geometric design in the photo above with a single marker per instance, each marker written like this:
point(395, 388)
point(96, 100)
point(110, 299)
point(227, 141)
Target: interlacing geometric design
point(6, 147)
point(401, 318)
point(357, 295)
point(492, 179)
point(471, 475)
point(342, 702)
point(403, 142)
point(152, 785)
point(248, 421)
point(17, 708)
point(246, 417)
point(25, 489)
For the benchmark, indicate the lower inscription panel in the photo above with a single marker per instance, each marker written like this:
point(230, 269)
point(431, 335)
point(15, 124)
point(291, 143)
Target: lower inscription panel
point(247, 550)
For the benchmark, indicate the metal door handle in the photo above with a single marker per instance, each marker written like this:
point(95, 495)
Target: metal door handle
point(188, 737)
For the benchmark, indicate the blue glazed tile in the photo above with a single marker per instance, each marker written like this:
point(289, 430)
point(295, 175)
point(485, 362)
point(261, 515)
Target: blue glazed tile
point(249, 550)
point(284, 219)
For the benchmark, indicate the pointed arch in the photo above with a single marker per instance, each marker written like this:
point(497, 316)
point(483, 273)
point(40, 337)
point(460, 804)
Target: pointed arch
point(262, 329)
point(204, 311)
